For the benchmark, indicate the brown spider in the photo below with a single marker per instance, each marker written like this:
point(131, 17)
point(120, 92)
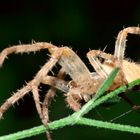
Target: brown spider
point(83, 83)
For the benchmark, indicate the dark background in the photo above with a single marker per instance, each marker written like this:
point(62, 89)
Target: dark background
point(79, 24)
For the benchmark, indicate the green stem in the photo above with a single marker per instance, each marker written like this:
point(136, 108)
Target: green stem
point(108, 125)
point(69, 121)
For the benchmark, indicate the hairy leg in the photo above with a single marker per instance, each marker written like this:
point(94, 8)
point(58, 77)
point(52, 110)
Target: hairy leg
point(56, 83)
point(32, 84)
point(25, 49)
point(48, 98)
point(50, 95)
point(120, 44)
point(93, 57)
point(14, 98)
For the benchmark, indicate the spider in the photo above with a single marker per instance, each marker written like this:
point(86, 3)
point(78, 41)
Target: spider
point(83, 83)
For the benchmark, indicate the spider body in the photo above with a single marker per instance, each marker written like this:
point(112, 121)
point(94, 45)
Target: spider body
point(83, 84)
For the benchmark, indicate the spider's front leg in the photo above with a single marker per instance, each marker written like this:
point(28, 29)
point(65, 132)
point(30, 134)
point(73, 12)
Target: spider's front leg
point(31, 86)
point(94, 56)
point(103, 64)
point(25, 48)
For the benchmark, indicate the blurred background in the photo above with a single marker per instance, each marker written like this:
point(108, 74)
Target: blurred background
point(80, 24)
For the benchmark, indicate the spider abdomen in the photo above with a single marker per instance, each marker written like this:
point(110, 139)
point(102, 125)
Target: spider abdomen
point(131, 70)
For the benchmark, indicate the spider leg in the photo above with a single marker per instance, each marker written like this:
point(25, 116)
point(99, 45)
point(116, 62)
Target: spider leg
point(25, 49)
point(73, 102)
point(45, 111)
point(39, 109)
point(55, 82)
point(50, 95)
point(52, 81)
point(47, 101)
point(120, 44)
point(32, 84)
point(95, 62)
point(14, 98)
